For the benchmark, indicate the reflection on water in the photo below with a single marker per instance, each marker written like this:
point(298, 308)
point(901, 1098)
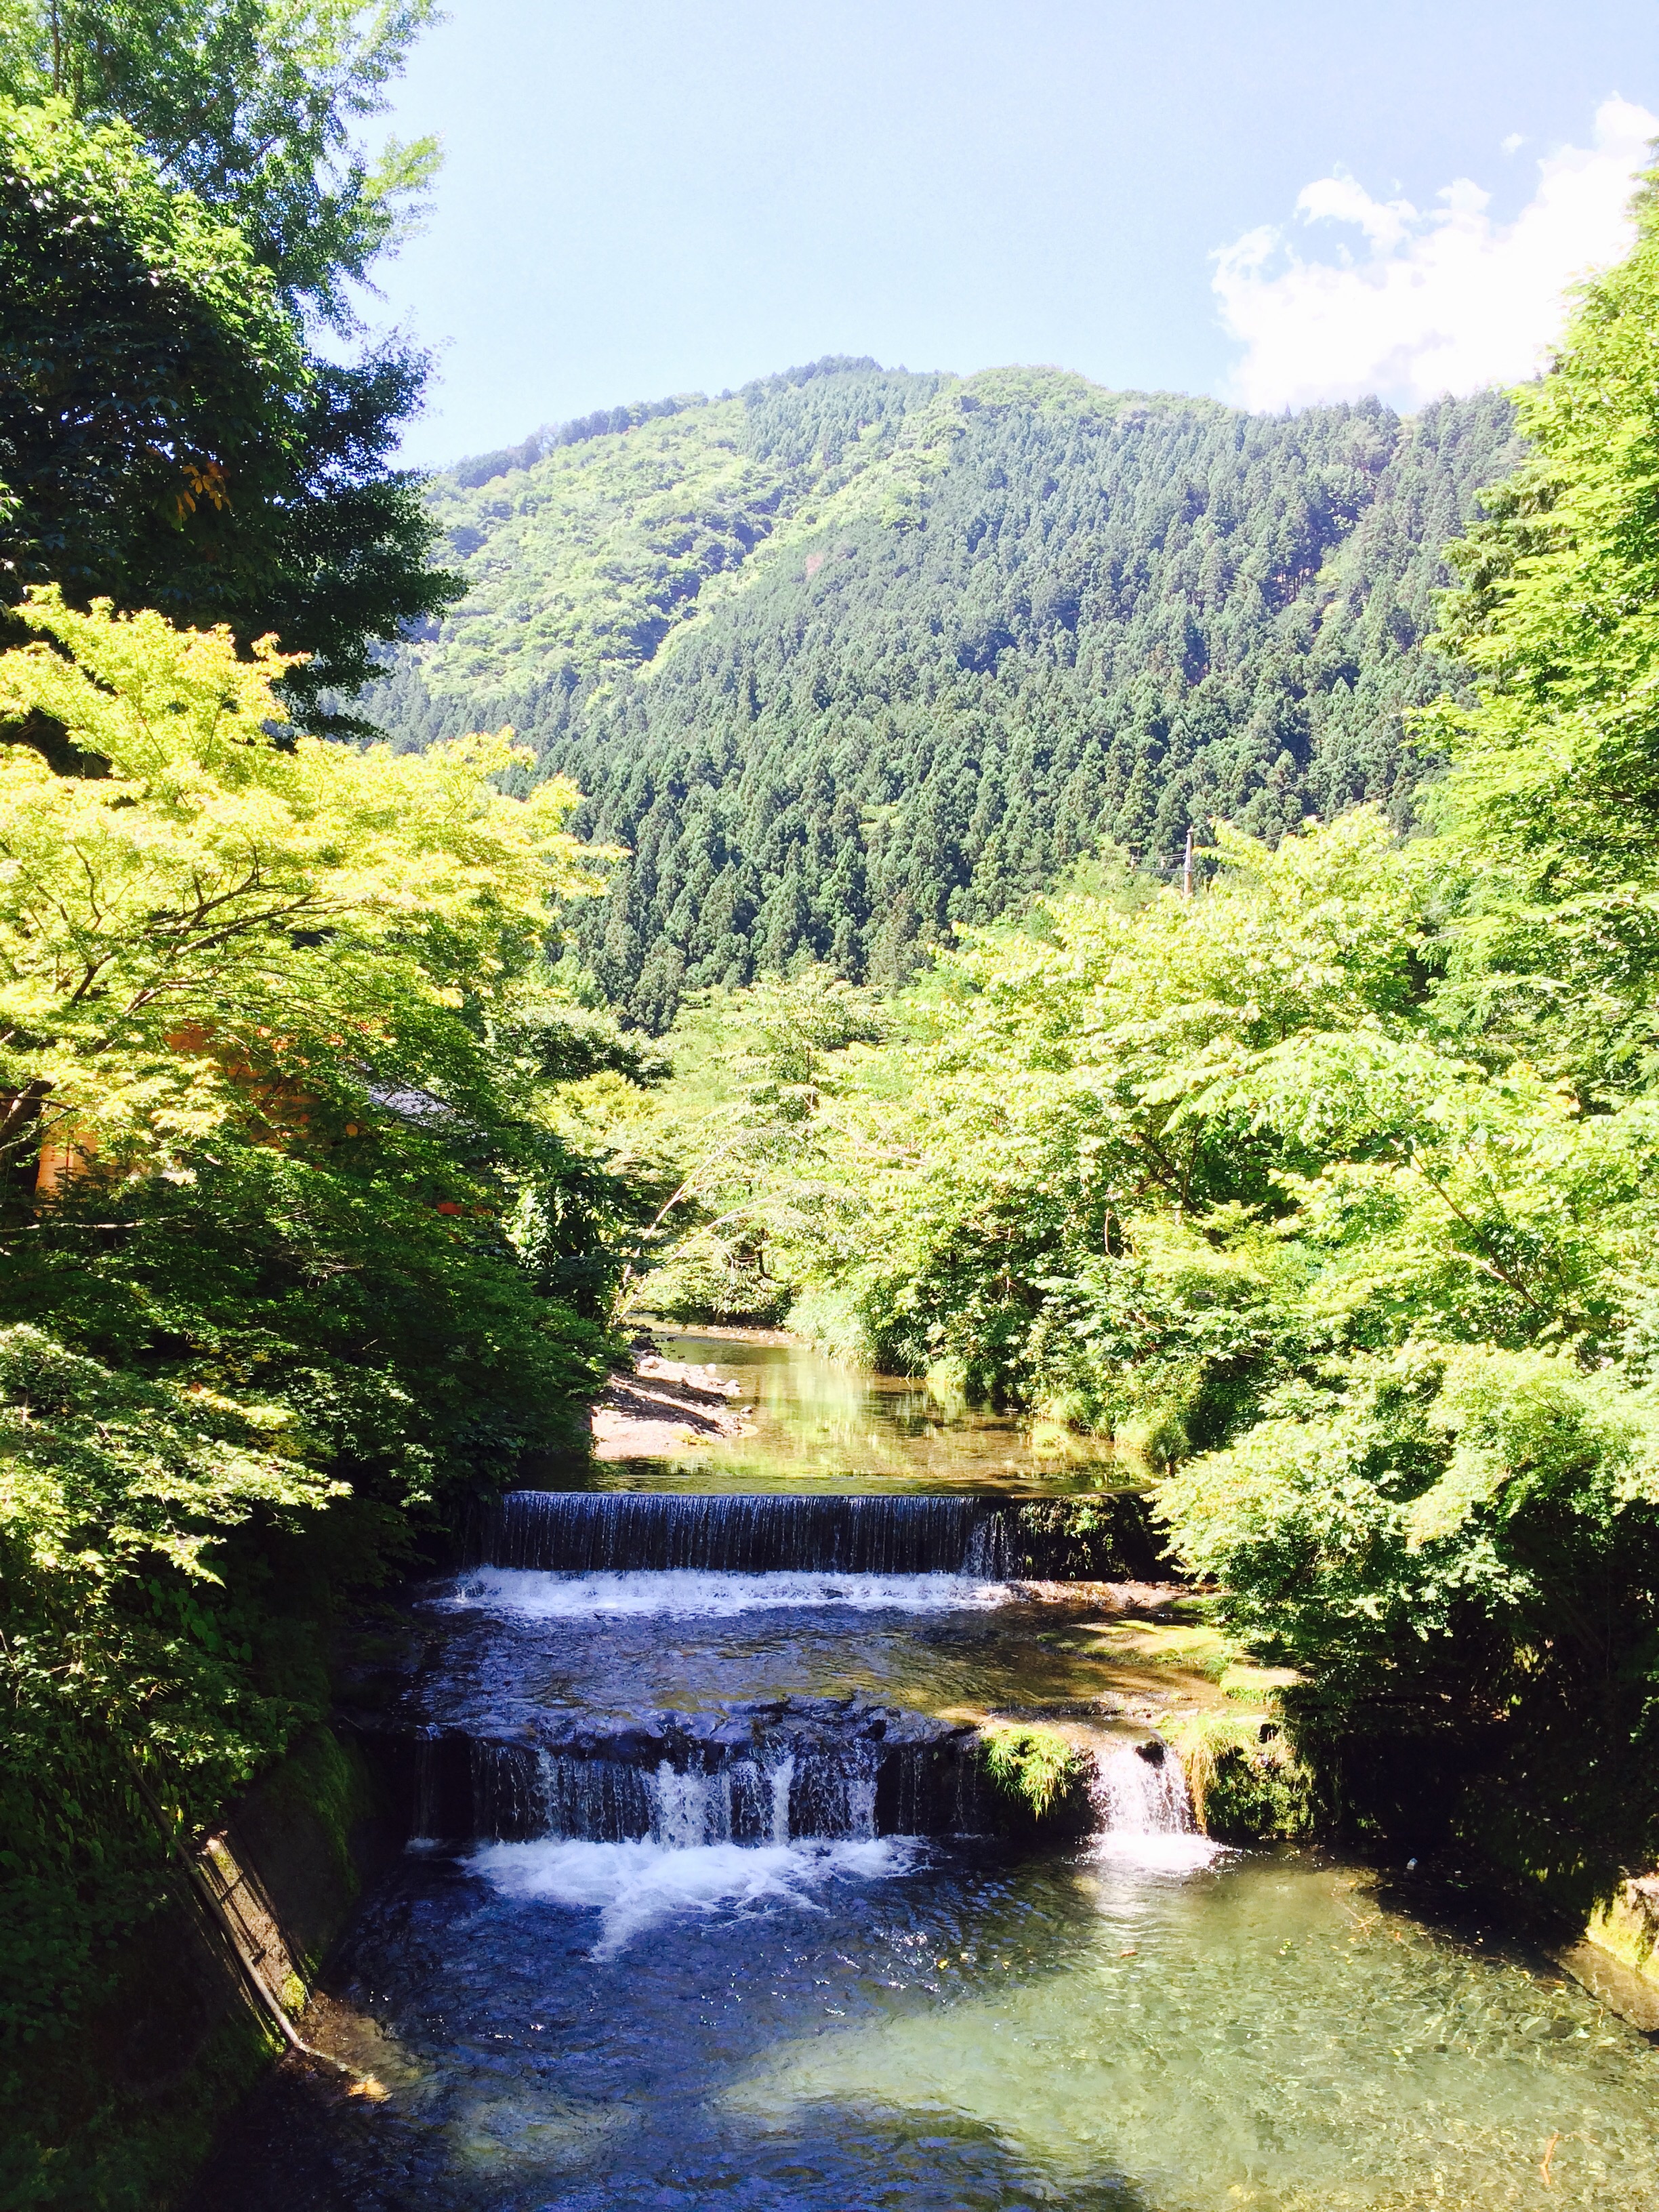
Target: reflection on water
point(969, 2032)
point(519, 1644)
point(818, 1424)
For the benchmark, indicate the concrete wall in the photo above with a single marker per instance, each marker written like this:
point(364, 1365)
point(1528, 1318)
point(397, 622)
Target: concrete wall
point(186, 2038)
point(1618, 1959)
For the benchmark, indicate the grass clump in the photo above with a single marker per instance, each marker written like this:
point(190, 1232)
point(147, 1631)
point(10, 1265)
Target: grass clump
point(1034, 1764)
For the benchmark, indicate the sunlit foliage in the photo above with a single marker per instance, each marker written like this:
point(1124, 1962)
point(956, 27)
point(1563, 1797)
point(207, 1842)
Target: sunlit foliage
point(1212, 1175)
point(294, 1260)
point(216, 905)
point(852, 656)
point(1332, 1192)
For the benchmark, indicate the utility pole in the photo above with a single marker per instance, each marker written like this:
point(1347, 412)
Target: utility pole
point(1186, 870)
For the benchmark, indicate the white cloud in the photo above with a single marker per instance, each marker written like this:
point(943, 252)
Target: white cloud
point(1426, 303)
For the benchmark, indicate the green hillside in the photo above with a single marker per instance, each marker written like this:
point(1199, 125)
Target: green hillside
point(852, 654)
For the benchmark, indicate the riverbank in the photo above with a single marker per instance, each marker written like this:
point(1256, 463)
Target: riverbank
point(664, 1407)
point(127, 2113)
point(798, 1418)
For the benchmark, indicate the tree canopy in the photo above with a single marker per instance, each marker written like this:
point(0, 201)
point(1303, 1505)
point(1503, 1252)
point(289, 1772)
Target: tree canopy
point(210, 881)
point(253, 106)
point(1553, 805)
point(295, 1258)
point(170, 435)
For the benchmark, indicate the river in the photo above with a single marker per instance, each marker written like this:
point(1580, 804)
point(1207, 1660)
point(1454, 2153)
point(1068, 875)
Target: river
point(817, 1424)
point(708, 1904)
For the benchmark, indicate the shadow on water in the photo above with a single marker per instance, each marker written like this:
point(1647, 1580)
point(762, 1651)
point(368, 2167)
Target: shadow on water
point(969, 2028)
point(530, 2073)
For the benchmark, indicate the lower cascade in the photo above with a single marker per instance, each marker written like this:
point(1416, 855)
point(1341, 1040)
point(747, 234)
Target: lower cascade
point(1138, 1788)
point(1143, 1809)
point(800, 1768)
point(824, 1769)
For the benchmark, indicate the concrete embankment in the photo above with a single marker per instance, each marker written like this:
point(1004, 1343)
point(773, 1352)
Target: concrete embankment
point(202, 1991)
point(1617, 1958)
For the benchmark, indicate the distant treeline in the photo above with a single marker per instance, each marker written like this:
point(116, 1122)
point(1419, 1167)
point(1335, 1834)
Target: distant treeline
point(611, 421)
point(608, 421)
point(856, 655)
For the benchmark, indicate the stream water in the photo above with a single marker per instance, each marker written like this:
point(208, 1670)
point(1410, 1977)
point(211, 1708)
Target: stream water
point(708, 1903)
point(816, 1425)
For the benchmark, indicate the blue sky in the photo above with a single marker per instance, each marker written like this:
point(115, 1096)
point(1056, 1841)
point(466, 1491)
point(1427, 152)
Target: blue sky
point(644, 197)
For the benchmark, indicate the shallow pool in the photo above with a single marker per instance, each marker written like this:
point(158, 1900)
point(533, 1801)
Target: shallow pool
point(899, 2024)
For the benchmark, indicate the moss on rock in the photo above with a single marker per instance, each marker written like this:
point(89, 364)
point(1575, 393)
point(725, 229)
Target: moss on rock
point(1246, 1783)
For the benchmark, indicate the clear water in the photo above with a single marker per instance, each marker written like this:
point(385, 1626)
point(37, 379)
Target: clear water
point(831, 2027)
point(818, 1424)
point(518, 1642)
point(834, 2020)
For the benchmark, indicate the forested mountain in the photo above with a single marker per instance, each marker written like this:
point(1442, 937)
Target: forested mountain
point(853, 655)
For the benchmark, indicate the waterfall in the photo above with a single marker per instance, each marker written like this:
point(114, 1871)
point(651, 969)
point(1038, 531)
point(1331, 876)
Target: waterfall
point(746, 1800)
point(836, 1796)
point(1143, 1811)
point(629, 1531)
point(1138, 1790)
point(600, 1800)
point(831, 1776)
point(689, 1809)
point(806, 1779)
point(782, 1777)
point(426, 1821)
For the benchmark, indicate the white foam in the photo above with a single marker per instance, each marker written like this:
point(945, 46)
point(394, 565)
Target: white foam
point(637, 1885)
point(1155, 1853)
point(543, 1595)
point(1145, 1813)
